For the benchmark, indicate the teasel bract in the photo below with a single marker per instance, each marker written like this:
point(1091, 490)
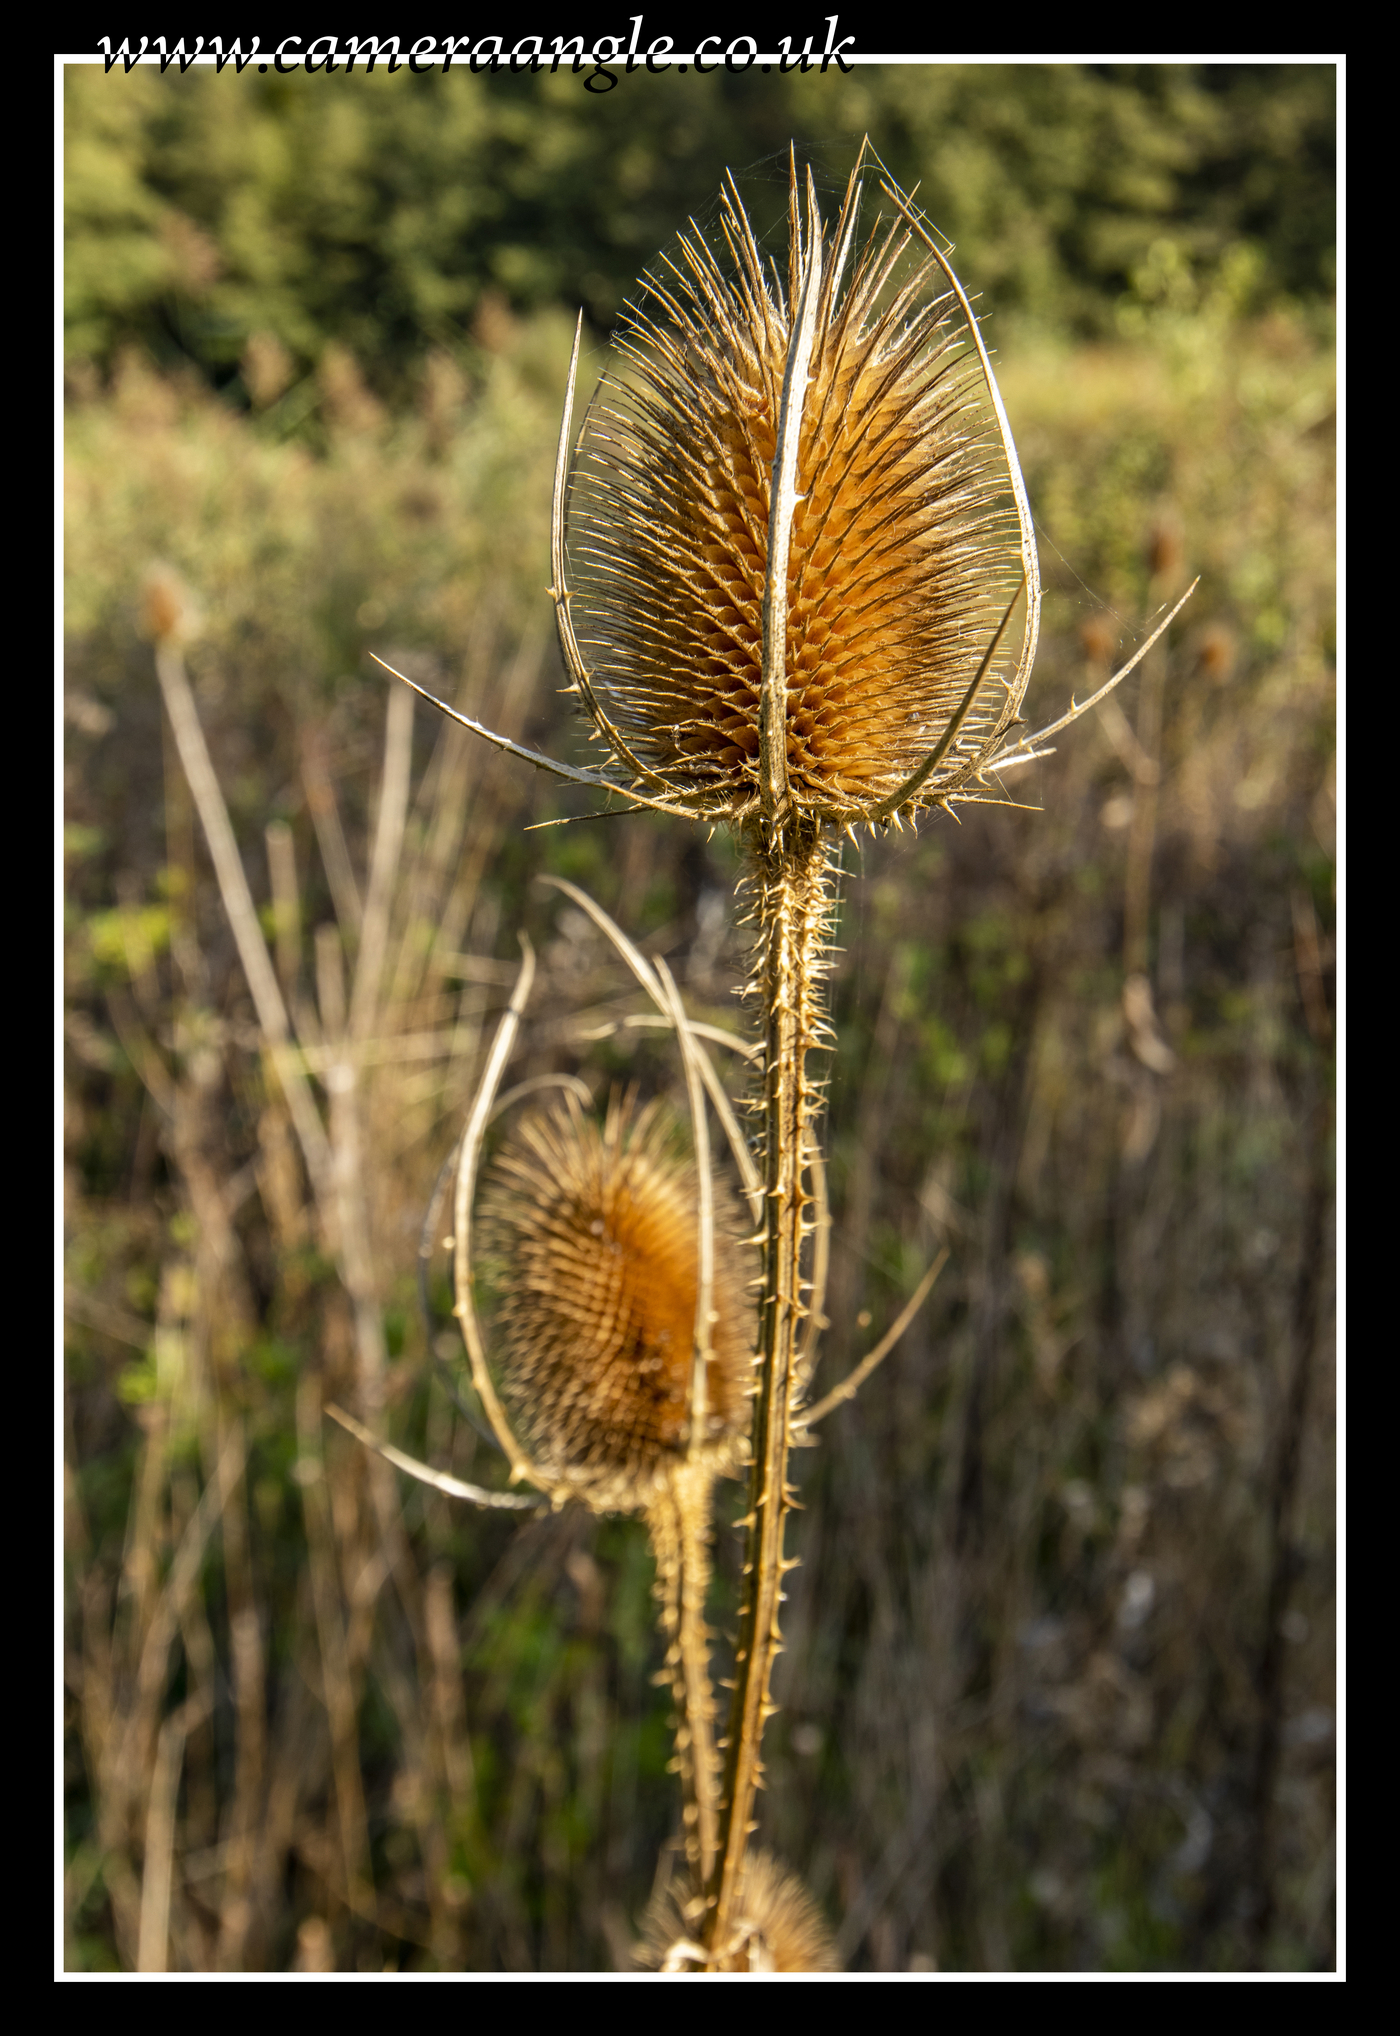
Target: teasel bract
point(787, 555)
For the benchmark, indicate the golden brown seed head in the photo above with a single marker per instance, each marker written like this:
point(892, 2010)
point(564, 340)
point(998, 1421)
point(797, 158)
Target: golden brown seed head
point(596, 1235)
point(904, 548)
point(168, 611)
point(777, 1926)
point(1166, 546)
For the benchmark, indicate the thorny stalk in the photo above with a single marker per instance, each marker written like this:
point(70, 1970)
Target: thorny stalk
point(794, 907)
point(678, 1521)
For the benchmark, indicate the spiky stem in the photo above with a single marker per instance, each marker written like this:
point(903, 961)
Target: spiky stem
point(679, 1524)
point(790, 873)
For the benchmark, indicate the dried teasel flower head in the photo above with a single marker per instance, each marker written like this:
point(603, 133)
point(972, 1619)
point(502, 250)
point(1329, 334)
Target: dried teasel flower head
point(595, 1234)
point(1166, 546)
point(788, 552)
point(777, 1927)
point(797, 529)
point(169, 612)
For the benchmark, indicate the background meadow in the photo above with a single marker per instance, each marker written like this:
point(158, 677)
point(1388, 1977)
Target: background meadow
point(1059, 1675)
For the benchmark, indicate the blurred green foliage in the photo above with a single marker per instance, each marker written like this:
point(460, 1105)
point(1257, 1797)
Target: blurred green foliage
point(380, 213)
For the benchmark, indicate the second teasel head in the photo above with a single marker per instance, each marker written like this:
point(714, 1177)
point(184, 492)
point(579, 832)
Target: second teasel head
point(593, 1230)
point(804, 476)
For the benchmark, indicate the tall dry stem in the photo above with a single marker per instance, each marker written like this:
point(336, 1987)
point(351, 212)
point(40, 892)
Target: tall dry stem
point(794, 904)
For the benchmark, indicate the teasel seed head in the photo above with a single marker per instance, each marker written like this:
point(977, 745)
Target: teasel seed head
point(795, 526)
point(595, 1234)
point(777, 1928)
point(169, 612)
point(797, 533)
